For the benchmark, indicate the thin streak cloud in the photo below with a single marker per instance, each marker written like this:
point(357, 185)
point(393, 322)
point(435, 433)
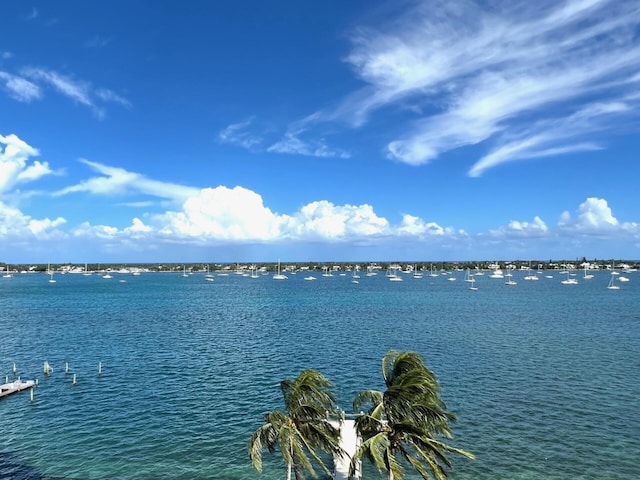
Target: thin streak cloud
point(475, 75)
point(118, 181)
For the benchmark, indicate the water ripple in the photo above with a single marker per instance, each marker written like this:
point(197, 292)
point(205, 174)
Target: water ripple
point(544, 383)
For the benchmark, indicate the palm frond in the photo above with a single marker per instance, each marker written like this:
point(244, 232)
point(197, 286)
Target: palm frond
point(367, 398)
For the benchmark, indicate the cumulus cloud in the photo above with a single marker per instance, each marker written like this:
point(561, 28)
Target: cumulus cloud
point(238, 215)
point(15, 164)
point(594, 216)
point(14, 225)
point(412, 225)
point(522, 229)
point(323, 219)
point(223, 214)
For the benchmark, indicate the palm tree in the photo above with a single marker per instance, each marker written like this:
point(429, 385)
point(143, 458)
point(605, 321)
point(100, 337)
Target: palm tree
point(405, 420)
point(303, 429)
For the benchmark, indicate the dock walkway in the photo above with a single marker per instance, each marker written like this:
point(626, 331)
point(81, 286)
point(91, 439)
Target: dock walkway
point(15, 386)
point(349, 442)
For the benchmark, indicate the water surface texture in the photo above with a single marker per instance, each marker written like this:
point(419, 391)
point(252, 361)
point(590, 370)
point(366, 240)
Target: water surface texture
point(543, 377)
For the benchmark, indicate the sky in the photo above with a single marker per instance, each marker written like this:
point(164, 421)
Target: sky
point(253, 131)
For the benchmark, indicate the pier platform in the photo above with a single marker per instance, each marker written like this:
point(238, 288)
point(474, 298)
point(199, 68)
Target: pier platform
point(15, 386)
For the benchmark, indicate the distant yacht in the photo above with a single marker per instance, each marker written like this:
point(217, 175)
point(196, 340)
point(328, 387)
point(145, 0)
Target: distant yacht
point(278, 275)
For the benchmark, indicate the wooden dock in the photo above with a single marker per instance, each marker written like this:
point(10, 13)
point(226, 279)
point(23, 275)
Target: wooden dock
point(15, 386)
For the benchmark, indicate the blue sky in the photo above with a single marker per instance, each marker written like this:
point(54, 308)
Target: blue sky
point(315, 131)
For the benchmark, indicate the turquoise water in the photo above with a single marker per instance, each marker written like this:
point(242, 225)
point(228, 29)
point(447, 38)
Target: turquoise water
point(543, 377)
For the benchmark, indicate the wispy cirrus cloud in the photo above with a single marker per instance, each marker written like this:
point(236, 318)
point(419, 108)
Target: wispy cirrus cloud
point(30, 83)
point(20, 88)
point(118, 181)
point(240, 134)
point(243, 134)
point(293, 144)
point(97, 42)
point(77, 90)
point(502, 75)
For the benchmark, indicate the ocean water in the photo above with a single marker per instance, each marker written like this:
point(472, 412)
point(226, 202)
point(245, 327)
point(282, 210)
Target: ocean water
point(544, 378)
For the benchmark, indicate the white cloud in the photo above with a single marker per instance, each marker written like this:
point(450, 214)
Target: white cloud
point(109, 96)
point(594, 216)
point(79, 91)
point(468, 74)
point(118, 181)
point(322, 219)
point(237, 214)
point(15, 168)
point(222, 214)
point(237, 134)
point(521, 230)
point(554, 137)
point(293, 144)
point(19, 88)
point(16, 226)
point(413, 225)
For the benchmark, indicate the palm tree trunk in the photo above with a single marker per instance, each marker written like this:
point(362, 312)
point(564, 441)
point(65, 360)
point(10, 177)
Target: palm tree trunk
point(298, 469)
point(289, 471)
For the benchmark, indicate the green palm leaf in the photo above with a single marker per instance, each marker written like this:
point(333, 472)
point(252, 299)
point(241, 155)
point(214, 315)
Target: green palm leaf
point(405, 419)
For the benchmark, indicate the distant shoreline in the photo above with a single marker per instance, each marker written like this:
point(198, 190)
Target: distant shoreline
point(422, 265)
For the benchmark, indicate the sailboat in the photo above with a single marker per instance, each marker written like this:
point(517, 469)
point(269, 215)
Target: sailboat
point(278, 275)
point(570, 280)
point(417, 273)
point(8, 274)
point(355, 278)
point(209, 276)
point(469, 276)
point(393, 276)
point(510, 280)
point(530, 275)
point(587, 276)
point(433, 271)
point(473, 284)
point(86, 270)
point(612, 283)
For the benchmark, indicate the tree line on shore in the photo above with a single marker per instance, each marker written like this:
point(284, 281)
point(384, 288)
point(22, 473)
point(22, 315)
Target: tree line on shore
point(420, 265)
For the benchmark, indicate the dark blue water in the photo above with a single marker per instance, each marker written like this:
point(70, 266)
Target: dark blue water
point(543, 377)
